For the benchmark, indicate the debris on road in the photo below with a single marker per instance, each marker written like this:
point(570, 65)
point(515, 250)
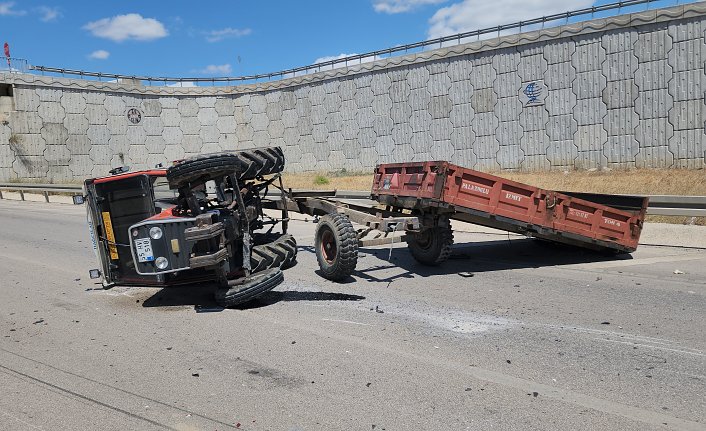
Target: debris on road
point(678, 271)
point(38, 322)
point(378, 310)
point(605, 323)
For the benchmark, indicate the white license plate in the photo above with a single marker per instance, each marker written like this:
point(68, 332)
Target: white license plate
point(143, 247)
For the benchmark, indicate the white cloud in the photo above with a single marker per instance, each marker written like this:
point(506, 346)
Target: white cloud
point(471, 15)
point(338, 64)
point(127, 27)
point(226, 33)
point(100, 54)
point(332, 57)
point(7, 8)
point(216, 69)
point(399, 6)
point(184, 84)
point(48, 13)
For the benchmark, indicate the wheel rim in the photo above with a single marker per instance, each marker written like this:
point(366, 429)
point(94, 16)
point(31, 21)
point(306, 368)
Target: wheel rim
point(328, 245)
point(424, 239)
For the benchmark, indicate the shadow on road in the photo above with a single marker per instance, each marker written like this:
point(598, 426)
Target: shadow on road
point(274, 296)
point(201, 297)
point(478, 257)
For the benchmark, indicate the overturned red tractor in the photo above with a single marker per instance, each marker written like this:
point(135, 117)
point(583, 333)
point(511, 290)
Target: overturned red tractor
point(200, 220)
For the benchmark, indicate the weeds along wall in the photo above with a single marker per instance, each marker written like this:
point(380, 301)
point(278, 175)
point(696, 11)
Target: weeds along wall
point(626, 91)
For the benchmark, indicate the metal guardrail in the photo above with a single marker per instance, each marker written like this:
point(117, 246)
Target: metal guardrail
point(556, 19)
point(43, 189)
point(663, 205)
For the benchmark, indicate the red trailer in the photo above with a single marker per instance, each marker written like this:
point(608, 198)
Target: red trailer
point(599, 222)
point(422, 197)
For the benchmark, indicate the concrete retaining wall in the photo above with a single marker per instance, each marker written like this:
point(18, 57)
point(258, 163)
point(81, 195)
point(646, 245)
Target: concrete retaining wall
point(626, 91)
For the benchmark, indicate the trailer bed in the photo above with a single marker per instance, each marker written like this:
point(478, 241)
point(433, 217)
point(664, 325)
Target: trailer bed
point(598, 222)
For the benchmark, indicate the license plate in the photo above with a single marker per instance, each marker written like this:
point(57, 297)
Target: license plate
point(143, 247)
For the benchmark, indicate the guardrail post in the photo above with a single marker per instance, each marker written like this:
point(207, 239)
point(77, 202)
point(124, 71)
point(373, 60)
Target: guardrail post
point(46, 196)
point(0, 194)
point(22, 195)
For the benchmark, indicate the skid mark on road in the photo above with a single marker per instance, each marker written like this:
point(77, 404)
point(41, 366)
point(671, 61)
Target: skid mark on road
point(631, 340)
point(523, 386)
point(103, 389)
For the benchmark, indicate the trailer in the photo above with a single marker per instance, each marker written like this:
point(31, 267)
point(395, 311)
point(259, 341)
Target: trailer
point(421, 199)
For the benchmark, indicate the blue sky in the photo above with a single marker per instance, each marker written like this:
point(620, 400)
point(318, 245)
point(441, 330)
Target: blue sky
point(238, 37)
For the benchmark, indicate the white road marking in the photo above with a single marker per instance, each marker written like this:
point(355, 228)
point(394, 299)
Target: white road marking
point(346, 321)
point(651, 347)
point(21, 421)
point(625, 335)
point(631, 262)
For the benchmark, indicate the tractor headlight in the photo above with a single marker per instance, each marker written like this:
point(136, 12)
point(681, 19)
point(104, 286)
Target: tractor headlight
point(161, 262)
point(155, 233)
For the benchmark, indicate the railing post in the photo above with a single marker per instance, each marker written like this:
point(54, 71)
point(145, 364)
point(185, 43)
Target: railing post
point(22, 195)
point(0, 194)
point(46, 196)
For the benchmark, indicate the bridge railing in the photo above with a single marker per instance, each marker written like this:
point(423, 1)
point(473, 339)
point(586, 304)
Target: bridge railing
point(532, 24)
point(13, 65)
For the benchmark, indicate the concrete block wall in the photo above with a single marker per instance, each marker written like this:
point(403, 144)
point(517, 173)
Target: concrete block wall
point(621, 92)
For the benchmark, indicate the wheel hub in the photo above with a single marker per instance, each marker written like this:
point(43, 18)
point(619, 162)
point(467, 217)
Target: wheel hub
point(328, 246)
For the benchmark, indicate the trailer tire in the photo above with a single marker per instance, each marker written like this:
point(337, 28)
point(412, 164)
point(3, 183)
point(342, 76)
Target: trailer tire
point(272, 251)
point(336, 245)
point(202, 168)
point(431, 246)
point(260, 161)
point(256, 284)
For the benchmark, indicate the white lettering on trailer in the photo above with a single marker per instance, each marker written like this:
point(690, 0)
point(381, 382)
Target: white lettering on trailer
point(513, 197)
point(475, 188)
point(578, 213)
point(610, 221)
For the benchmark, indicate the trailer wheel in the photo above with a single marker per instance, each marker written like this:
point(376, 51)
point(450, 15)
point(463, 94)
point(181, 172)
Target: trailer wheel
point(202, 168)
point(260, 161)
point(256, 284)
point(272, 251)
point(336, 244)
point(431, 246)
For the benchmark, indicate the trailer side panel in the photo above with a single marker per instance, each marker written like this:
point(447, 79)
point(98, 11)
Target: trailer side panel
point(509, 205)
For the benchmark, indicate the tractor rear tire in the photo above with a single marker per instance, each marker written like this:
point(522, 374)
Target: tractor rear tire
point(258, 162)
point(431, 246)
point(257, 284)
point(202, 168)
point(274, 252)
point(336, 245)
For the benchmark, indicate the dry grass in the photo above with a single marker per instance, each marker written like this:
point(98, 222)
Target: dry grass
point(636, 181)
point(337, 181)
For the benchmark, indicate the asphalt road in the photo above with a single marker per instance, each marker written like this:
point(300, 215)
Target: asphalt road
point(509, 334)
